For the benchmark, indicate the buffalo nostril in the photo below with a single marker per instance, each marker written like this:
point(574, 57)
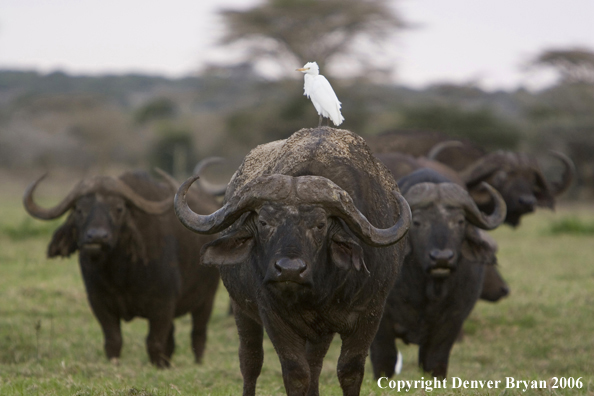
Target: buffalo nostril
point(97, 235)
point(441, 255)
point(287, 265)
point(527, 200)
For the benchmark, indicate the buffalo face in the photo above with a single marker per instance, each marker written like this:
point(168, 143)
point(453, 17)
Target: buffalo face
point(436, 237)
point(444, 226)
point(519, 179)
point(291, 239)
point(293, 231)
point(290, 246)
point(98, 219)
point(520, 190)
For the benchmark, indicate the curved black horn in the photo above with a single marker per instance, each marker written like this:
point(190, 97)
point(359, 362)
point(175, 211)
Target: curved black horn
point(482, 220)
point(317, 189)
point(483, 167)
point(173, 184)
point(439, 147)
point(48, 213)
point(250, 197)
point(212, 189)
point(568, 173)
point(298, 190)
point(423, 194)
point(87, 186)
point(147, 206)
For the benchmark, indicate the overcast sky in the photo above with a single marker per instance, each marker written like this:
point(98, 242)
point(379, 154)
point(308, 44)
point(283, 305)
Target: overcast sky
point(455, 40)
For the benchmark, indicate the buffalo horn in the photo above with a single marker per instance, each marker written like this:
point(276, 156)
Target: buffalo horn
point(212, 189)
point(49, 213)
point(482, 168)
point(249, 198)
point(423, 194)
point(439, 147)
point(480, 219)
point(300, 190)
point(88, 186)
point(568, 173)
point(150, 207)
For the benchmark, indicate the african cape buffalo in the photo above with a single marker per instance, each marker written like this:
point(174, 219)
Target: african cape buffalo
point(135, 258)
point(310, 248)
point(442, 273)
point(494, 286)
point(517, 176)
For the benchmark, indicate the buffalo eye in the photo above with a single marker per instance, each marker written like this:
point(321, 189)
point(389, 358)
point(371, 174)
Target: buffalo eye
point(416, 223)
point(263, 223)
point(321, 225)
point(461, 222)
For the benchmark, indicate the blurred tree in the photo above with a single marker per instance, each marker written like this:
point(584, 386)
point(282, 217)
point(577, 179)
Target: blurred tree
point(481, 126)
point(562, 116)
point(311, 30)
point(574, 65)
point(156, 109)
point(173, 151)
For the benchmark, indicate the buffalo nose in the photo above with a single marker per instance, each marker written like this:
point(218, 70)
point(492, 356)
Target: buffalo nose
point(441, 256)
point(527, 200)
point(290, 267)
point(97, 235)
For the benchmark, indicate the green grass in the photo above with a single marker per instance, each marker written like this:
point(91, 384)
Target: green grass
point(50, 343)
point(572, 225)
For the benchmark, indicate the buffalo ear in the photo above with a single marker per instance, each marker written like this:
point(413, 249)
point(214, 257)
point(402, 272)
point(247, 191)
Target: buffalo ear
point(133, 241)
point(407, 245)
point(64, 241)
point(234, 248)
point(542, 191)
point(477, 248)
point(346, 252)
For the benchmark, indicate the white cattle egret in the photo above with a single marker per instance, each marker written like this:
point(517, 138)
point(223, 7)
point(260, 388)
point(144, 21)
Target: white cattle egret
point(319, 90)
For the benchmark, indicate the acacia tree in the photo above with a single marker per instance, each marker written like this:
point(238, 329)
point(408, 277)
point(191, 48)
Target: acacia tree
point(574, 65)
point(297, 31)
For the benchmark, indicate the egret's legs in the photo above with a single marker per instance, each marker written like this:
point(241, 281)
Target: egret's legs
point(320, 123)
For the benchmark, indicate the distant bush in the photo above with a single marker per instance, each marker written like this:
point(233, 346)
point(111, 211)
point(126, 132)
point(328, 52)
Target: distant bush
point(173, 151)
point(157, 109)
point(481, 126)
point(572, 225)
point(29, 228)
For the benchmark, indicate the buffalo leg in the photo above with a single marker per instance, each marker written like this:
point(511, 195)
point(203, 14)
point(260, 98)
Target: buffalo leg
point(200, 318)
point(434, 355)
point(383, 352)
point(170, 348)
point(351, 363)
point(315, 352)
point(110, 325)
point(157, 340)
point(291, 350)
point(251, 353)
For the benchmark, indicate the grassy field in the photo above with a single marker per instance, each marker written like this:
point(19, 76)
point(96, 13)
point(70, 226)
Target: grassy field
point(50, 343)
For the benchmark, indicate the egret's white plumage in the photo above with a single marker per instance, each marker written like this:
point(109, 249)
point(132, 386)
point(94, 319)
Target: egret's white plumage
point(319, 90)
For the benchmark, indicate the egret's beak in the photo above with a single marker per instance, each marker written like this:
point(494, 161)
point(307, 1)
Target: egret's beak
point(302, 69)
